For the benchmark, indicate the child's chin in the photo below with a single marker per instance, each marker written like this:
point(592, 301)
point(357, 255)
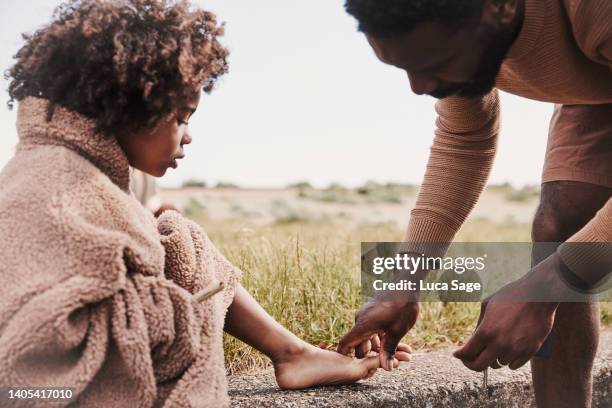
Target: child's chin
point(157, 172)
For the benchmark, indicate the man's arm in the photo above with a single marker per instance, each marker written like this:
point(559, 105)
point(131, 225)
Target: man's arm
point(459, 165)
point(458, 168)
point(592, 27)
point(588, 253)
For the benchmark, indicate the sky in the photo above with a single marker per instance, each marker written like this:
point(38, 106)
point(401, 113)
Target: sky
point(305, 100)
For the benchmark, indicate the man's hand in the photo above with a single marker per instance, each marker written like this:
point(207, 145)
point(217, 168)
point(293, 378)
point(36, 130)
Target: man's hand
point(510, 334)
point(510, 331)
point(384, 320)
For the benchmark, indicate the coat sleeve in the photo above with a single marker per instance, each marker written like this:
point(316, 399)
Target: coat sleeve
point(107, 339)
point(193, 261)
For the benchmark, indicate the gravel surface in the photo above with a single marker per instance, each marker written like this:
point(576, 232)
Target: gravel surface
point(431, 380)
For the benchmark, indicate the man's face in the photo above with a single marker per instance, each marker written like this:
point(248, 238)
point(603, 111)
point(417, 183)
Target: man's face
point(442, 62)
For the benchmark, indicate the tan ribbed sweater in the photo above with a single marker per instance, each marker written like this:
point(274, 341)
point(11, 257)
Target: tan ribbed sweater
point(96, 294)
point(563, 54)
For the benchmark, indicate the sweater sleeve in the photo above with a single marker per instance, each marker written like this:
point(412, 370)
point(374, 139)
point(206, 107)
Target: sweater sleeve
point(588, 253)
point(459, 165)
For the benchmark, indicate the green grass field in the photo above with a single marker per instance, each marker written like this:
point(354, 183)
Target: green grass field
point(306, 275)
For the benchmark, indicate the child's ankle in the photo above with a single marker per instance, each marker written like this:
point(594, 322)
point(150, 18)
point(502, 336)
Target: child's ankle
point(289, 351)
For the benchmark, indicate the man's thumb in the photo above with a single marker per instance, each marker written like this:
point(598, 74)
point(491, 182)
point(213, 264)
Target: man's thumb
point(388, 347)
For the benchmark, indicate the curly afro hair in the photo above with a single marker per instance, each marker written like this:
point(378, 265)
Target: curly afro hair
point(390, 18)
point(126, 64)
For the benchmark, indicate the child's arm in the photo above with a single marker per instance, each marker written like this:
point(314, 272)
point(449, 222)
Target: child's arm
point(249, 322)
point(297, 364)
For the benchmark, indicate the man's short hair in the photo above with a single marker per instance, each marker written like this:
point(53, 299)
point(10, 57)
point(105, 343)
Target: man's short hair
point(390, 18)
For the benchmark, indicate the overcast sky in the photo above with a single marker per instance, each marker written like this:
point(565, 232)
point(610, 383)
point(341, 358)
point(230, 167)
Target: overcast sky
point(305, 99)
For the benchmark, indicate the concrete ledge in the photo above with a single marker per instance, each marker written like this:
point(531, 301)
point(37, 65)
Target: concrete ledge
point(431, 380)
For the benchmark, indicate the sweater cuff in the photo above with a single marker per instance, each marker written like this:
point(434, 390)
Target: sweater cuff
point(589, 261)
point(588, 253)
point(425, 236)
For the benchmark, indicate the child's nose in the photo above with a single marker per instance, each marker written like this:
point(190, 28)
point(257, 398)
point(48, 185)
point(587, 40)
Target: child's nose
point(186, 138)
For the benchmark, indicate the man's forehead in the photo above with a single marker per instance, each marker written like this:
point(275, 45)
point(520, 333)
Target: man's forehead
point(426, 42)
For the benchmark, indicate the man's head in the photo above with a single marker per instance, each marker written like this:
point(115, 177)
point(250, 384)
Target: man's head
point(447, 47)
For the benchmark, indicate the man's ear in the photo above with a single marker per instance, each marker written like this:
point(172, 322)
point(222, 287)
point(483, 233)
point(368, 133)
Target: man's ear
point(500, 12)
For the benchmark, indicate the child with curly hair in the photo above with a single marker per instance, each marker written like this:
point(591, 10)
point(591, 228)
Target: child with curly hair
point(97, 294)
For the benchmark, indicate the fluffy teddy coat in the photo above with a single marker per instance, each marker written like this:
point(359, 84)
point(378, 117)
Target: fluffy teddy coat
point(96, 294)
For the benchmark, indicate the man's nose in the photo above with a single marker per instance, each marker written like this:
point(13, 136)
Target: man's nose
point(421, 84)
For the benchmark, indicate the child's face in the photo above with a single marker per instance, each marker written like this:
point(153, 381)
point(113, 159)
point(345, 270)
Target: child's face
point(153, 151)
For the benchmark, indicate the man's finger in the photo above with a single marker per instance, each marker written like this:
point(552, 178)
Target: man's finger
point(502, 360)
point(472, 349)
point(494, 365)
point(519, 362)
point(483, 361)
point(402, 356)
point(375, 343)
point(363, 349)
point(403, 351)
point(404, 347)
point(352, 339)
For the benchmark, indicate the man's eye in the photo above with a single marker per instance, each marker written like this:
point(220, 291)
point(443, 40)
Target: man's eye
point(182, 122)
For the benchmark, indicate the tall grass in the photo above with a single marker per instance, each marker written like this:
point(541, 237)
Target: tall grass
point(306, 275)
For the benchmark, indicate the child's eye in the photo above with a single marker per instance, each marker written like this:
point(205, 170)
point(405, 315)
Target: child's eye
point(182, 122)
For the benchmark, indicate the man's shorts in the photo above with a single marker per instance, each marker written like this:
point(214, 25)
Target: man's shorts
point(580, 145)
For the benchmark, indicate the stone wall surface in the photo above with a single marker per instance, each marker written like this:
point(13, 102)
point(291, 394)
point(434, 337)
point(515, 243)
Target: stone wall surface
point(431, 380)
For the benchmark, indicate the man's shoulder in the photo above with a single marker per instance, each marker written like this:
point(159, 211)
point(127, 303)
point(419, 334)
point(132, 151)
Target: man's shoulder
point(585, 11)
point(590, 23)
point(570, 6)
point(574, 7)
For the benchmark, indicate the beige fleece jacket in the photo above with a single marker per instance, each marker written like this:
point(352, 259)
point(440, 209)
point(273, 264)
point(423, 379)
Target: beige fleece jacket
point(563, 55)
point(96, 294)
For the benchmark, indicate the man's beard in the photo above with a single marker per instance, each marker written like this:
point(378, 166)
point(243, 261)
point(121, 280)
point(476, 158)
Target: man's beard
point(486, 76)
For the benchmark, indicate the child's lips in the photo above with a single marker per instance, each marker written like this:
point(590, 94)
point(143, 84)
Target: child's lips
point(174, 162)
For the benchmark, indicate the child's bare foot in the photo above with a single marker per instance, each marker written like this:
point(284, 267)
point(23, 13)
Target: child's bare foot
point(308, 366)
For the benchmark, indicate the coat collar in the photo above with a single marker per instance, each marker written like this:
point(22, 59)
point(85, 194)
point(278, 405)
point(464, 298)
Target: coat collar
point(75, 132)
